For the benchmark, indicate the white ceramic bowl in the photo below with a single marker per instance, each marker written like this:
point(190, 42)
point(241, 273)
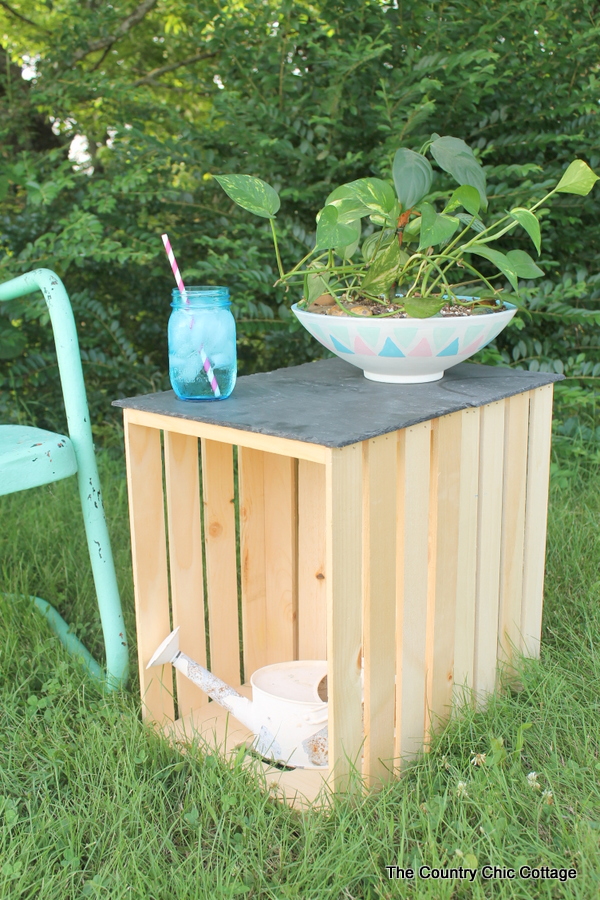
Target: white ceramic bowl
point(405, 351)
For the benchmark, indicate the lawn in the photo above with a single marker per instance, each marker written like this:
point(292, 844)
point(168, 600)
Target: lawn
point(93, 804)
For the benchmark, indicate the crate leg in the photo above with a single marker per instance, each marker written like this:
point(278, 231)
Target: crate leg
point(149, 553)
point(536, 515)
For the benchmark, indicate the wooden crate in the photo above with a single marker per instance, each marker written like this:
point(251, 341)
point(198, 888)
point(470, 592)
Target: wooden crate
point(416, 555)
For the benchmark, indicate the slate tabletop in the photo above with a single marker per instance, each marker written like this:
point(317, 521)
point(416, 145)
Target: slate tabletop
point(330, 402)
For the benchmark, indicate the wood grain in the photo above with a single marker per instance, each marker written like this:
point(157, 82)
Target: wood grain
point(312, 574)
point(221, 563)
point(412, 587)
point(185, 559)
point(344, 610)
point(379, 603)
point(491, 465)
point(513, 526)
point(149, 557)
point(536, 515)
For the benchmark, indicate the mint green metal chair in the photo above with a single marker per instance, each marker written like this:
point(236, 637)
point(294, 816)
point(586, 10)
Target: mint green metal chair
point(30, 457)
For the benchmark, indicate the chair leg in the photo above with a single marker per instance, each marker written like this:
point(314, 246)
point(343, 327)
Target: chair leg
point(103, 569)
point(70, 641)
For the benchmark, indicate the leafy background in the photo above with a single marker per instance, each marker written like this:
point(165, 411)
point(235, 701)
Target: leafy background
point(127, 111)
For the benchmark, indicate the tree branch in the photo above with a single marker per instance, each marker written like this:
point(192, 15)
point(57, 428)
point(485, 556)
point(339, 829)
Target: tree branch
point(14, 12)
point(136, 16)
point(155, 73)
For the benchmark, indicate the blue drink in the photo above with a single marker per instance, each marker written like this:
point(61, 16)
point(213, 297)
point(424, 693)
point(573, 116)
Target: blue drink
point(202, 352)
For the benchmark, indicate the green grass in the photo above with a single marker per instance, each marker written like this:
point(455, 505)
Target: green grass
point(93, 804)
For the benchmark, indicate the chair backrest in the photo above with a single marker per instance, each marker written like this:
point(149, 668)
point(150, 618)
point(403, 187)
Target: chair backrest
point(67, 348)
point(80, 434)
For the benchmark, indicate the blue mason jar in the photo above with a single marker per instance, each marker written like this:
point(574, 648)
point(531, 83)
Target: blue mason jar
point(201, 335)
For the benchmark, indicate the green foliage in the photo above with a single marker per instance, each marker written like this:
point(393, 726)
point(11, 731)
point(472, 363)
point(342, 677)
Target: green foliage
point(305, 95)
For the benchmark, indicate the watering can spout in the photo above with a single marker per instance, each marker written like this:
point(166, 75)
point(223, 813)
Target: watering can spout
point(217, 690)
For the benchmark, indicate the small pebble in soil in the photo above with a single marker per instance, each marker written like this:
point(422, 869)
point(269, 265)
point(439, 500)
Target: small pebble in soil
point(324, 300)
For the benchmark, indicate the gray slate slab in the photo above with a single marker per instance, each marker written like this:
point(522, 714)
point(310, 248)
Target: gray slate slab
point(330, 402)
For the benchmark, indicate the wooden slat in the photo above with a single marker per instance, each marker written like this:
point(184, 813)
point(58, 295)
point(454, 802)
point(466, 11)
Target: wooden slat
point(466, 555)
point(344, 610)
point(149, 556)
point(379, 603)
point(268, 555)
point(445, 494)
point(491, 460)
point(536, 514)
point(513, 525)
point(413, 490)
point(280, 549)
point(252, 554)
point(233, 436)
point(312, 593)
point(185, 559)
point(221, 564)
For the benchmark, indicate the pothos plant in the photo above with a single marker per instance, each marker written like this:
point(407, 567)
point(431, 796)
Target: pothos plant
point(415, 259)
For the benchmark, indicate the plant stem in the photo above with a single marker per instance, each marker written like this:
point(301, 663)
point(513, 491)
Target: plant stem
point(277, 254)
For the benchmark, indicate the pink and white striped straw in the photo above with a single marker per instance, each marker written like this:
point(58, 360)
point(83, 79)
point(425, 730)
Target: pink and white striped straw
point(206, 364)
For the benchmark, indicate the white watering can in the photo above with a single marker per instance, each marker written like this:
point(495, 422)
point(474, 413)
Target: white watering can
point(288, 710)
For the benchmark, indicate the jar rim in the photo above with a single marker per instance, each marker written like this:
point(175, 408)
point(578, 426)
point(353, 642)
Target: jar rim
point(203, 294)
point(202, 289)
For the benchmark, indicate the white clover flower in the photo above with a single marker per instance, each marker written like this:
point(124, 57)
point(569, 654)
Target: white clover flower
point(532, 781)
point(548, 797)
point(461, 789)
point(478, 759)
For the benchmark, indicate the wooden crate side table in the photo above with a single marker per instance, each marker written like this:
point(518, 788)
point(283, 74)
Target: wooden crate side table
point(398, 531)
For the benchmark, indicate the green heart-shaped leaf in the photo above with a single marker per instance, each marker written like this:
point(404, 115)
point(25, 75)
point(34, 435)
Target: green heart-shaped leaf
point(315, 284)
point(530, 223)
point(523, 264)
point(455, 157)
point(412, 175)
point(251, 193)
point(331, 233)
point(422, 307)
point(578, 179)
point(384, 268)
point(466, 196)
point(375, 242)
point(435, 227)
point(362, 197)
